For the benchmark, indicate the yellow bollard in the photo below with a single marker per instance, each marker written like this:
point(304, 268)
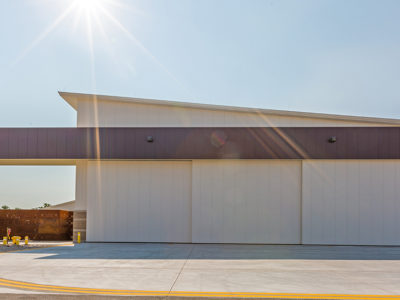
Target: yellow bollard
point(5, 240)
point(13, 239)
point(79, 238)
point(26, 240)
point(17, 240)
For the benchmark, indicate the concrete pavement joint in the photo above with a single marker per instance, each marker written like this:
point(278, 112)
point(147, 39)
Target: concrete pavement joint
point(180, 271)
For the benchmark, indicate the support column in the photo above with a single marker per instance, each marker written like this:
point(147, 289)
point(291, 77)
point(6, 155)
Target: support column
point(79, 224)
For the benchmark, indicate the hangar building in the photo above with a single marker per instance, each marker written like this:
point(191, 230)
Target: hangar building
point(163, 171)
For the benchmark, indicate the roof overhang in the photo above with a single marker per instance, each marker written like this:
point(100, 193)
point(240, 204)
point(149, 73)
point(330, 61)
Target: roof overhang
point(74, 98)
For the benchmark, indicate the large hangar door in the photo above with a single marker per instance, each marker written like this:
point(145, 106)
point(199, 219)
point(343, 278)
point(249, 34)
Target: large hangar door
point(139, 201)
point(246, 201)
point(351, 202)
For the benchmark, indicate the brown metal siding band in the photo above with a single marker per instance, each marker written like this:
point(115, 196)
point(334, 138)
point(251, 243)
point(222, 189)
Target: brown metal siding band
point(201, 143)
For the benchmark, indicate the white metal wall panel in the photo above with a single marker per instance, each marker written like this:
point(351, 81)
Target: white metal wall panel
point(139, 201)
point(120, 114)
point(351, 202)
point(80, 185)
point(246, 201)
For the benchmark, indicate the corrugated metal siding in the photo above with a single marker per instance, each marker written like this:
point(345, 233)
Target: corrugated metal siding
point(352, 202)
point(139, 201)
point(246, 201)
point(349, 202)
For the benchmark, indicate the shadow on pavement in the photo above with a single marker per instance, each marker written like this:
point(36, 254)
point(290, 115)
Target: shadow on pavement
point(216, 251)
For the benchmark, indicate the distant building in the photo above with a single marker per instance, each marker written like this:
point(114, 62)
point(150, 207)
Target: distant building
point(68, 206)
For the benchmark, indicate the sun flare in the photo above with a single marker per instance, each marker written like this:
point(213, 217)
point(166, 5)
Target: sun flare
point(88, 6)
point(96, 19)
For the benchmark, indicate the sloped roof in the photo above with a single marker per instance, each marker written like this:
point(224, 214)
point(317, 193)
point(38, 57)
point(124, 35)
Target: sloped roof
point(73, 98)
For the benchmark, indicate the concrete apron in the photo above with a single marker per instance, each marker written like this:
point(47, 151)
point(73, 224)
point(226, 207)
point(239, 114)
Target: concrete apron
point(183, 271)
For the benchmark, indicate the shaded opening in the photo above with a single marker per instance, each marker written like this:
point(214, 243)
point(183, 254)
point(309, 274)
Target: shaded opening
point(25, 191)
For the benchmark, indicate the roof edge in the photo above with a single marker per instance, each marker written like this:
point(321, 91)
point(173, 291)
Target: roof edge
point(66, 96)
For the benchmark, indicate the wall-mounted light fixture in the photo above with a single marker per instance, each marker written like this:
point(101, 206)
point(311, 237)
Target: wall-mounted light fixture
point(332, 139)
point(150, 139)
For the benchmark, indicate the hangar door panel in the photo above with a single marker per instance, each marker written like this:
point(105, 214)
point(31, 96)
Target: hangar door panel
point(139, 201)
point(246, 201)
point(351, 202)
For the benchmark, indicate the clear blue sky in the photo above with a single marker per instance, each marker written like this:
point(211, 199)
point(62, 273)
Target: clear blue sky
point(321, 56)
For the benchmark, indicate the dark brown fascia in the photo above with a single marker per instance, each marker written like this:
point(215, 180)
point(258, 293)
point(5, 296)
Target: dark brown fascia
point(201, 143)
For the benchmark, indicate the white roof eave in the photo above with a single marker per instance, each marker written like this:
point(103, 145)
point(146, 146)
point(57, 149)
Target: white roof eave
point(73, 98)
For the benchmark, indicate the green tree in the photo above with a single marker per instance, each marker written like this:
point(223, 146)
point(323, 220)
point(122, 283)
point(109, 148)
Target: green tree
point(46, 205)
point(5, 207)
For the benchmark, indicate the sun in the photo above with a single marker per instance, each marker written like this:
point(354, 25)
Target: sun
point(89, 6)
